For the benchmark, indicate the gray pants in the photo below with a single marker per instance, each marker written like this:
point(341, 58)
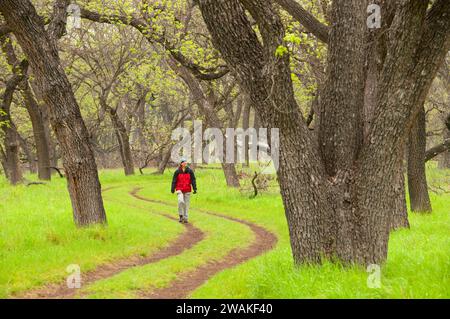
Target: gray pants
point(183, 204)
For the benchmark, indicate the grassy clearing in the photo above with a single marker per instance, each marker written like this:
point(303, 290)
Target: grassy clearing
point(38, 240)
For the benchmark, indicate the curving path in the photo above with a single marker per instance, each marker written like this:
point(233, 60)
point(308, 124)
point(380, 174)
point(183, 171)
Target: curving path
point(186, 240)
point(181, 288)
point(186, 284)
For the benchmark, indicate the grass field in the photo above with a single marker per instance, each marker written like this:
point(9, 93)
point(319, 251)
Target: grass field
point(38, 240)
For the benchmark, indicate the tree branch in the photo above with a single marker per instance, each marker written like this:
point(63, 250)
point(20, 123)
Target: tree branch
point(57, 26)
point(305, 18)
point(4, 30)
point(437, 149)
point(141, 25)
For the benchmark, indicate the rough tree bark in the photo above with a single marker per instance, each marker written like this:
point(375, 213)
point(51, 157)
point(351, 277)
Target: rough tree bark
point(40, 47)
point(375, 57)
point(417, 179)
point(334, 192)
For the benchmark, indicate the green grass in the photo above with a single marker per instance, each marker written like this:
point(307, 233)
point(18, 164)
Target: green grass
point(38, 241)
point(221, 237)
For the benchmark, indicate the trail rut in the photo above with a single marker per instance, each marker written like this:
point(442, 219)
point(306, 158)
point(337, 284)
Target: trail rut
point(182, 287)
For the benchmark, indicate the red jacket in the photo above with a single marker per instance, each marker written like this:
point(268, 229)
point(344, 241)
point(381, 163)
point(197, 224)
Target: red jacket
point(182, 181)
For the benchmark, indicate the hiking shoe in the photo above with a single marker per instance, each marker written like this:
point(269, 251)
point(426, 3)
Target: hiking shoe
point(185, 221)
point(181, 219)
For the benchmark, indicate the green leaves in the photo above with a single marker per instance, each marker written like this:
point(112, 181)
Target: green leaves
point(281, 50)
point(3, 122)
point(292, 38)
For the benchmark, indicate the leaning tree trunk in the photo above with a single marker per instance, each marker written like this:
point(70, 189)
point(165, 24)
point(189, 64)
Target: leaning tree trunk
point(124, 142)
point(40, 138)
point(164, 161)
point(417, 180)
point(40, 47)
point(47, 136)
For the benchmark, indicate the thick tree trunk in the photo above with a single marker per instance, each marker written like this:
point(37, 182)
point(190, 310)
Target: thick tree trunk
point(417, 180)
point(78, 157)
point(334, 193)
point(374, 58)
point(124, 142)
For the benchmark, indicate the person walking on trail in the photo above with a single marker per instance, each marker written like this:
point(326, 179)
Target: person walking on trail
point(183, 182)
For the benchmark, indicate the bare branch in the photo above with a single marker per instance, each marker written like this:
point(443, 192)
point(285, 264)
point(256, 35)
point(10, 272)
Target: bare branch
point(437, 149)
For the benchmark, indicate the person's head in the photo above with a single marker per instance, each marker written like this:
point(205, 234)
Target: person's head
point(183, 162)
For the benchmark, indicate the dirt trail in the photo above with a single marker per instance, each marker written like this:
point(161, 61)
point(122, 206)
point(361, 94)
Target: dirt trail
point(182, 287)
point(188, 239)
